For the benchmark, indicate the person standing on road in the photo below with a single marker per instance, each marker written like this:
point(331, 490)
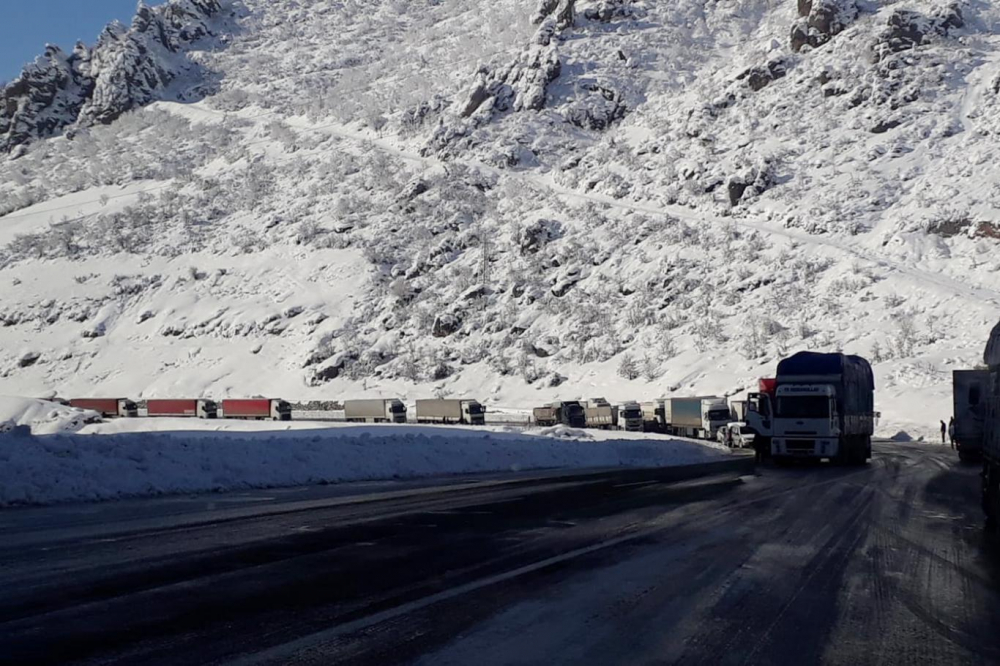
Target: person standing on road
point(951, 431)
point(944, 430)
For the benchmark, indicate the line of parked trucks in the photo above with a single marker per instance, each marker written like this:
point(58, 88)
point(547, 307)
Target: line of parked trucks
point(462, 411)
point(816, 406)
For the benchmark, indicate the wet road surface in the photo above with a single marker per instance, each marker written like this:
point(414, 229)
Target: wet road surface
point(887, 564)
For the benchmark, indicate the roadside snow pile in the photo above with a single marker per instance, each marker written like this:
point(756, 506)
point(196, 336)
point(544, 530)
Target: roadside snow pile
point(43, 470)
point(41, 416)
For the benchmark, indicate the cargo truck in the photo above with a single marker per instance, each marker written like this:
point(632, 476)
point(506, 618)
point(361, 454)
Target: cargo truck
point(202, 409)
point(699, 417)
point(991, 432)
point(467, 412)
point(969, 400)
point(545, 416)
point(824, 408)
point(600, 414)
point(654, 415)
point(630, 417)
point(389, 410)
point(257, 408)
point(108, 407)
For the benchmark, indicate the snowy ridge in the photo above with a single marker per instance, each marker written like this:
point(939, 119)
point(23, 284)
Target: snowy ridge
point(128, 68)
point(519, 201)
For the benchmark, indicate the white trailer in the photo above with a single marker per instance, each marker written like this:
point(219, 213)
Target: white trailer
point(377, 410)
point(464, 411)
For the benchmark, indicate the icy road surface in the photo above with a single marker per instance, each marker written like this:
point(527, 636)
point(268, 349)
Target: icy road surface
point(886, 564)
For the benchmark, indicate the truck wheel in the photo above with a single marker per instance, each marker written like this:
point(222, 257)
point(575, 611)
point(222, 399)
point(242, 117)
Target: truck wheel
point(991, 495)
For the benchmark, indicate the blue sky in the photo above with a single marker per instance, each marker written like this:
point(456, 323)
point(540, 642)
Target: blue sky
point(28, 25)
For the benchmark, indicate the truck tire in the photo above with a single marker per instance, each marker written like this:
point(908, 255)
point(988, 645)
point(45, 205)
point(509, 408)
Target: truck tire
point(991, 495)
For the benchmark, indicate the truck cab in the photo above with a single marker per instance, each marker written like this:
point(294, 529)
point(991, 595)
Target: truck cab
point(395, 411)
point(715, 415)
point(806, 422)
point(630, 417)
point(473, 413)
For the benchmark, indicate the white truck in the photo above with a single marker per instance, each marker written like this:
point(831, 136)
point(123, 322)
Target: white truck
point(630, 417)
point(699, 417)
point(378, 410)
point(824, 408)
point(463, 411)
point(654, 415)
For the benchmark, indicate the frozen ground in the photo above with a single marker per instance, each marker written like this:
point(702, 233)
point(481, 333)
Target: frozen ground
point(137, 457)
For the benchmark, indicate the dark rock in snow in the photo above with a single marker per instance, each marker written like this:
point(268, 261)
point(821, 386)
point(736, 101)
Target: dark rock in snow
point(758, 77)
point(823, 20)
point(445, 325)
point(884, 126)
point(736, 189)
point(609, 10)
point(28, 359)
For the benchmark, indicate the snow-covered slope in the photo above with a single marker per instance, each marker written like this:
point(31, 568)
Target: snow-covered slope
point(520, 200)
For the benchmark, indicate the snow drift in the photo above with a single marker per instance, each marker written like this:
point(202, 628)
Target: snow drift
point(40, 470)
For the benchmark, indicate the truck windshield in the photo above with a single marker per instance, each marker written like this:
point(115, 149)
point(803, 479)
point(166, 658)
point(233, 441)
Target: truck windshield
point(631, 413)
point(475, 408)
point(804, 407)
point(718, 415)
point(397, 407)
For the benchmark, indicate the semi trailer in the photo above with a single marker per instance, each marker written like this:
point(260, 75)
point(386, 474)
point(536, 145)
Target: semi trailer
point(969, 410)
point(390, 410)
point(463, 411)
point(599, 413)
point(824, 408)
point(108, 407)
point(699, 417)
point(991, 432)
point(202, 409)
point(257, 408)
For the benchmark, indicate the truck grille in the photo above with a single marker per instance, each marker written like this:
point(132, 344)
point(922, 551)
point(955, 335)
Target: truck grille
point(800, 445)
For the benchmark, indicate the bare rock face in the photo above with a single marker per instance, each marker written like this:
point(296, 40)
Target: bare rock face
point(563, 11)
point(128, 68)
point(907, 29)
point(760, 76)
point(46, 97)
point(822, 20)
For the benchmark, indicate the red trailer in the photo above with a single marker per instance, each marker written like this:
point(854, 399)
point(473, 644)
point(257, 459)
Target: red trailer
point(109, 407)
point(257, 408)
point(202, 409)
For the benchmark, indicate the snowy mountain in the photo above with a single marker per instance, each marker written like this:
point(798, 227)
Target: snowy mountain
point(515, 200)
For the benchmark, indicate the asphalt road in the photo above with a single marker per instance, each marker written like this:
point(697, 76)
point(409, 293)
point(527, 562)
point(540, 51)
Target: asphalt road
point(816, 564)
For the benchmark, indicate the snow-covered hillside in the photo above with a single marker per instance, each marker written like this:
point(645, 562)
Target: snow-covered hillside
point(518, 200)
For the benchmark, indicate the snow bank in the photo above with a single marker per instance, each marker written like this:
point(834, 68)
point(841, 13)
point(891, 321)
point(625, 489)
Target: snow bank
point(41, 416)
point(63, 468)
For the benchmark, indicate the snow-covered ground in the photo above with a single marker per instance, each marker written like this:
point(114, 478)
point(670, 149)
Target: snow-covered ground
point(42, 417)
point(333, 219)
point(141, 457)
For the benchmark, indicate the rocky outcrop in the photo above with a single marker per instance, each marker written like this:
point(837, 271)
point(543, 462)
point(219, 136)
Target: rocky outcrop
point(821, 21)
point(46, 97)
point(760, 76)
point(609, 10)
point(906, 29)
point(128, 68)
point(519, 86)
point(563, 12)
